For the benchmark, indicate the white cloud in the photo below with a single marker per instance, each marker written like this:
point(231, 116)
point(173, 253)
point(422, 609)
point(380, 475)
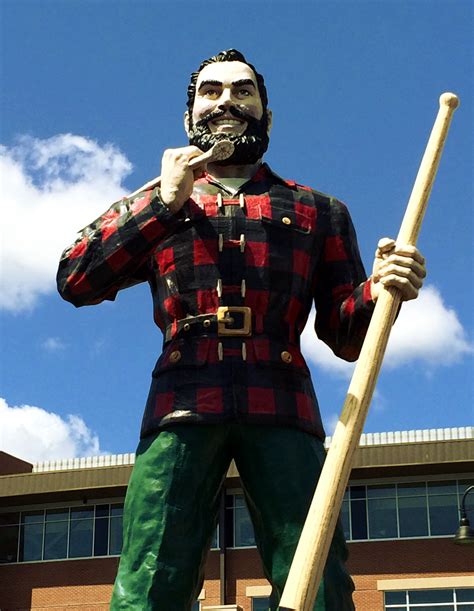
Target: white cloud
point(426, 331)
point(34, 434)
point(50, 189)
point(53, 344)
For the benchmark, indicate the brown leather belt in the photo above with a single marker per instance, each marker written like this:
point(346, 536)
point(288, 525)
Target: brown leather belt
point(228, 321)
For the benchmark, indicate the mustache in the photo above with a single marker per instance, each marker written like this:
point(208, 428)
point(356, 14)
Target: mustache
point(234, 110)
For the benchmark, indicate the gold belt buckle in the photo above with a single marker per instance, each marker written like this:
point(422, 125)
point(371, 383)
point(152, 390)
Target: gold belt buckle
point(224, 318)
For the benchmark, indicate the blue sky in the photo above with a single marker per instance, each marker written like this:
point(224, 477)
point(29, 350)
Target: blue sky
point(92, 92)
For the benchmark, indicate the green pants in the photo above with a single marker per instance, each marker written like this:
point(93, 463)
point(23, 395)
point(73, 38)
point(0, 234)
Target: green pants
point(172, 506)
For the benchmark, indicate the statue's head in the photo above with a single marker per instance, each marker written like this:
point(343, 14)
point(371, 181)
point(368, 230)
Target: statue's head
point(227, 99)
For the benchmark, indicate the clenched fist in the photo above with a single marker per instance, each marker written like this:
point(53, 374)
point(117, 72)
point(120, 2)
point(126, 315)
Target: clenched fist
point(177, 178)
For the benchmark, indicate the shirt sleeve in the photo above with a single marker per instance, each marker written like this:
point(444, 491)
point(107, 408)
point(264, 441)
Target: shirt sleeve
point(112, 252)
point(342, 292)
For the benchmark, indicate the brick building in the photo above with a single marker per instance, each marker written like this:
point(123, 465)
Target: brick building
point(60, 530)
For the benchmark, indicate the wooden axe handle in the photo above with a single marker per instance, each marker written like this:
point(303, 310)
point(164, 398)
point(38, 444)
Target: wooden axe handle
point(311, 554)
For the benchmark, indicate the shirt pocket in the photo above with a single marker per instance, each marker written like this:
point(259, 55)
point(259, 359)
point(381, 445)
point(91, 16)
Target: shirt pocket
point(278, 355)
point(287, 220)
point(182, 354)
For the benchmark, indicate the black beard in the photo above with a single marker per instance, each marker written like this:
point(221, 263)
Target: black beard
point(249, 147)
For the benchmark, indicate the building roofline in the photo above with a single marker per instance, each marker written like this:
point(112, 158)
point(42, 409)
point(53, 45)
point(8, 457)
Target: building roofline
point(374, 458)
point(367, 439)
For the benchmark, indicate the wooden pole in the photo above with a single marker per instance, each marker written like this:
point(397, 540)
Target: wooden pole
point(310, 557)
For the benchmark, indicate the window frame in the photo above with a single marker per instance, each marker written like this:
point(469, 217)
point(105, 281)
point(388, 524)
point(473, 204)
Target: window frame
point(42, 511)
point(413, 606)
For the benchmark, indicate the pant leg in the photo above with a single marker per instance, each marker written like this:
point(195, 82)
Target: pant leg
point(170, 515)
point(279, 469)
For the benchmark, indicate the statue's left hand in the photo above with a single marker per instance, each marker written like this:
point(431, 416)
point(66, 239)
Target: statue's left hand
point(398, 265)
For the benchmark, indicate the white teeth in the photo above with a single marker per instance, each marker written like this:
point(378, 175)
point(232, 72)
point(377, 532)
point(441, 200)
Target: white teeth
point(227, 122)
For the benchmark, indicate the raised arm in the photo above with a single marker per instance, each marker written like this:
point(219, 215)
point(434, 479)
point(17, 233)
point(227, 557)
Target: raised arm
point(111, 253)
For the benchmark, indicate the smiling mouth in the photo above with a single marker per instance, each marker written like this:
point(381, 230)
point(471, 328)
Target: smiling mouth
point(229, 122)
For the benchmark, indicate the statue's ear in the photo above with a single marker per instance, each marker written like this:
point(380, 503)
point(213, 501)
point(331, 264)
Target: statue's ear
point(186, 122)
point(270, 120)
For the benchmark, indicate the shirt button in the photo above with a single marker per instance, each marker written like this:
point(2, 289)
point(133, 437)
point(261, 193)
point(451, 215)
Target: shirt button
point(286, 356)
point(286, 220)
point(175, 356)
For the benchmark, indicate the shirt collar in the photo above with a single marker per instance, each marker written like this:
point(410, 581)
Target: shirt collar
point(263, 173)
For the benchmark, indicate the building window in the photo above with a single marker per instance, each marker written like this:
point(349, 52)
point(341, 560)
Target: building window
point(403, 510)
point(81, 532)
point(455, 599)
point(443, 507)
point(67, 532)
point(31, 536)
point(9, 532)
point(215, 538)
point(56, 534)
point(196, 606)
point(116, 529)
point(260, 603)
point(239, 526)
point(382, 512)
point(412, 510)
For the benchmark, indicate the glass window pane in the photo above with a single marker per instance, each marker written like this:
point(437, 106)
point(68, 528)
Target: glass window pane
point(80, 538)
point(244, 535)
point(358, 492)
point(395, 597)
point(414, 489)
point(116, 510)
point(382, 518)
point(359, 519)
point(55, 540)
point(345, 519)
point(30, 517)
point(239, 500)
point(55, 515)
point(101, 536)
point(196, 606)
point(260, 604)
point(229, 522)
point(215, 538)
point(413, 516)
point(102, 511)
point(448, 487)
point(430, 596)
point(116, 527)
point(466, 595)
point(381, 491)
point(31, 542)
point(9, 543)
point(82, 513)
point(444, 518)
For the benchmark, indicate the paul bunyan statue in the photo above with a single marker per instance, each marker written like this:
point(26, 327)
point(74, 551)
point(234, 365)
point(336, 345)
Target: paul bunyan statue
point(235, 256)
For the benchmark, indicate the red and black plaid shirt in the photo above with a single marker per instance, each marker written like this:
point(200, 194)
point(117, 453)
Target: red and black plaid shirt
point(273, 247)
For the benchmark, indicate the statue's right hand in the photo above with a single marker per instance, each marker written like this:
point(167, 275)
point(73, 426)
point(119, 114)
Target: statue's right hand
point(177, 178)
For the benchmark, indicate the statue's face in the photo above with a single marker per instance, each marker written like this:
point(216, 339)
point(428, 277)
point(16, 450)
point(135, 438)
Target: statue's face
point(228, 106)
point(222, 85)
